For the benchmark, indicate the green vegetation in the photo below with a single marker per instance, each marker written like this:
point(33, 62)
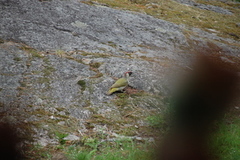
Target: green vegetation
point(17, 59)
point(48, 70)
point(122, 100)
point(42, 80)
point(31, 51)
point(95, 65)
point(112, 44)
point(226, 141)
point(82, 83)
point(156, 121)
point(39, 152)
point(60, 137)
point(97, 75)
point(102, 145)
point(85, 53)
point(116, 150)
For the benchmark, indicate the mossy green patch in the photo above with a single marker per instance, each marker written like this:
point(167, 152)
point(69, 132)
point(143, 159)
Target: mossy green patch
point(98, 75)
point(60, 109)
point(36, 54)
point(122, 95)
point(42, 80)
point(121, 102)
point(95, 64)
point(48, 70)
point(139, 94)
point(82, 83)
point(60, 137)
point(85, 53)
point(23, 84)
point(112, 44)
point(155, 121)
point(100, 120)
point(17, 59)
point(46, 60)
point(31, 51)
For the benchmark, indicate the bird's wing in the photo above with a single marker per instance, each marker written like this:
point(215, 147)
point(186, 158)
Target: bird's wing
point(120, 83)
point(113, 90)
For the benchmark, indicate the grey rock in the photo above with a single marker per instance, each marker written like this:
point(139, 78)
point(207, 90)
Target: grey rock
point(42, 138)
point(86, 60)
point(43, 142)
point(206, 7)
point(96, 29)
point(31, 119)
point(61, 123)
point(71, 138)
point(65, 90)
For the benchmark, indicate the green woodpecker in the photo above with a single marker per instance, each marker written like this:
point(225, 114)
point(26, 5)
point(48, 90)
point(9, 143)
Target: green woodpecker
point(120, 84)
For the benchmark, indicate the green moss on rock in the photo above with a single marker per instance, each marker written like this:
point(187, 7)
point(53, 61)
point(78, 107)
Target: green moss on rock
point(82, 83)
point(95, 64)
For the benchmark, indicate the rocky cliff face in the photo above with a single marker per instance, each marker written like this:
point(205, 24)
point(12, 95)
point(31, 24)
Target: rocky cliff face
point(58, 58)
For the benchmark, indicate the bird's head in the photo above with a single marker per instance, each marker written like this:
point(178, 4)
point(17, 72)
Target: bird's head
point(127, 74)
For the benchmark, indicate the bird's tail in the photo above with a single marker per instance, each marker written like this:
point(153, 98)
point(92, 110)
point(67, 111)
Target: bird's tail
point(112, 90)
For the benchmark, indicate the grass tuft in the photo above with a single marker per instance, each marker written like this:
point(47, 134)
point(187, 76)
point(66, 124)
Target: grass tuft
point(31, 51)
point(60, 137)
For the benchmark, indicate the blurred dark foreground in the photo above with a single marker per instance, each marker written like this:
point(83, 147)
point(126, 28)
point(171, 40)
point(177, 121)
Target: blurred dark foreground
point(10, 143)
point(201, 100)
